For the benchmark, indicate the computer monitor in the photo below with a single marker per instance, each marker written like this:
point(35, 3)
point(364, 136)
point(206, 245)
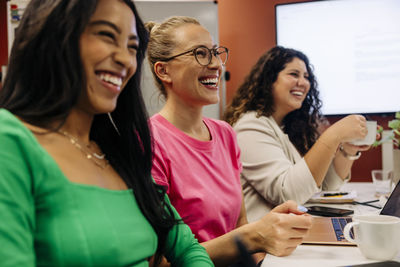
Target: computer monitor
point(354, 46)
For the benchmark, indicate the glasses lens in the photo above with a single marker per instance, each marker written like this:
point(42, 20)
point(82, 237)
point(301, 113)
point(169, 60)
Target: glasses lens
point(203, 55)
point(222, 53)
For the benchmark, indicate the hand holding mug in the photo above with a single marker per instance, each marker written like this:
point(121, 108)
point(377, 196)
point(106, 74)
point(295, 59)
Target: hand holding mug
point(350, 128)
point(370, 137)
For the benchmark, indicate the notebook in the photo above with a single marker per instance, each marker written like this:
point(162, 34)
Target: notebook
point(329, 230)
point(334, 197)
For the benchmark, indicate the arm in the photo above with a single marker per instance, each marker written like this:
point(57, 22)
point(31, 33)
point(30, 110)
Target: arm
point(258, 257)
point(271, 165)
point(183, 249)
point(324, 151)
point(342, 163)
point(223, 250)
point(16, 201)
point(277, 233)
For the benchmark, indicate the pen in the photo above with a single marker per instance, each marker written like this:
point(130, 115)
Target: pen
point(367, 203)
point(340, 194)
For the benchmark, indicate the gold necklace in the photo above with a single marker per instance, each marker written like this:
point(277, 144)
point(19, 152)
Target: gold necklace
point(98, 159)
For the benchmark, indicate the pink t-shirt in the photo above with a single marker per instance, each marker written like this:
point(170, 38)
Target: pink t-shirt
point(202, 177)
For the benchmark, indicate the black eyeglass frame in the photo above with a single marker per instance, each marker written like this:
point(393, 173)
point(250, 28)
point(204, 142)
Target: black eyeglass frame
point(213, 52)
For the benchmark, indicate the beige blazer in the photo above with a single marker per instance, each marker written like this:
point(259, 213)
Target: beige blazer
point(273, 170)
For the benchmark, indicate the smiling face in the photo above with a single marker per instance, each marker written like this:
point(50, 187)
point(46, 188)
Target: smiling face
point(108, 49)
point(190, 82)
point(290, 88)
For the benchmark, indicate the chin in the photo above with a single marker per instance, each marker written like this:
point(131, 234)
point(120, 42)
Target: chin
point(105, 108)
point(213, 101)
point(297, 106)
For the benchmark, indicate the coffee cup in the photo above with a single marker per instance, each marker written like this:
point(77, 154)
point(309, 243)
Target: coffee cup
point(377, 236)
point(370, 138)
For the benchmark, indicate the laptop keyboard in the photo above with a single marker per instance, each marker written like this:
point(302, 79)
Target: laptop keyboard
point(338, 226)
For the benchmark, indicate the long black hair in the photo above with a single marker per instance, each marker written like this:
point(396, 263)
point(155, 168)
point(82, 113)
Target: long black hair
point(256, 94)
point(44, 81)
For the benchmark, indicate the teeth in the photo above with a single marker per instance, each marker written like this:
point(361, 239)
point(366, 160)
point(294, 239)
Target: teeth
point(111, 79)
point(297, 93)
point(210, 80)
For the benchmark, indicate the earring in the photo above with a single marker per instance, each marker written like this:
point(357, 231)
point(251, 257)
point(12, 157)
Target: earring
point(113, 123)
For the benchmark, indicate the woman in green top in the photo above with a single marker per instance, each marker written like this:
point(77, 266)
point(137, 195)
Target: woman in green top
point(75, 184)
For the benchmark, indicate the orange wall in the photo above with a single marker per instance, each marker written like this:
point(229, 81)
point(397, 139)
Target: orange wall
point(247, 28)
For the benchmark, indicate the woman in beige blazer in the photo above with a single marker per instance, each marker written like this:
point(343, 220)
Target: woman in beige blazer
point(276, 114)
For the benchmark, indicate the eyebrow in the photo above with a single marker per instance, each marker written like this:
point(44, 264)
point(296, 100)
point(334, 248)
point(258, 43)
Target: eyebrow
point(112, 25)
point(296, 70)
point(195, 46)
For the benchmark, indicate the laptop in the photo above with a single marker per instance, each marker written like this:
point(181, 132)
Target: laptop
point(329, 230)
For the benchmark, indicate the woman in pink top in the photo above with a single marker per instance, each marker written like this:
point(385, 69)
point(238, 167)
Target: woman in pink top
point(197, 159)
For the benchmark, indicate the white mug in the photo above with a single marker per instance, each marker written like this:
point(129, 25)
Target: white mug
point(377, 236)
point(370, 138)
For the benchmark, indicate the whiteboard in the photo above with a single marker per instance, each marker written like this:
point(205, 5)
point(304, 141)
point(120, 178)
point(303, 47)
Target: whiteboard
point(206, 12)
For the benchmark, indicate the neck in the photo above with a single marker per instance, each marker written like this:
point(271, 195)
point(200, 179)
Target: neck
point(78, 125)
point(187, 118)
point(278, 118)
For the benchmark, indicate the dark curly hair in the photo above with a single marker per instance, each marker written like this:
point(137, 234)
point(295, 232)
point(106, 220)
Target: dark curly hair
point(256, 94)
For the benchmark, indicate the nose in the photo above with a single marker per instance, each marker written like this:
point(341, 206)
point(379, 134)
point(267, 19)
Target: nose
point(303, 81)
point(215, 63)
point(124, 58)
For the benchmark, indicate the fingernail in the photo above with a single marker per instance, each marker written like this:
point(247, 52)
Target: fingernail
point(302, 208)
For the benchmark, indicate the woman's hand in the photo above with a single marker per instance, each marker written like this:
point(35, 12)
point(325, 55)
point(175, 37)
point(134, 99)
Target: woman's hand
point(282, 229)
point(350, 128)
point(353, 149)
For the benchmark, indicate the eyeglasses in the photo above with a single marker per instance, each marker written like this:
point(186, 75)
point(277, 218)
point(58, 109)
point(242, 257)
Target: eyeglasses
point(203, 54)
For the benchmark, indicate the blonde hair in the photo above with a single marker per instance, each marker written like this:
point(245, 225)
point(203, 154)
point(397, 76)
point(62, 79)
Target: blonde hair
point(162, 42)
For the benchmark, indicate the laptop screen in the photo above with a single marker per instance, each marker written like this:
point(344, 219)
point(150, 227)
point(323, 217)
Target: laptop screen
point(392, 206)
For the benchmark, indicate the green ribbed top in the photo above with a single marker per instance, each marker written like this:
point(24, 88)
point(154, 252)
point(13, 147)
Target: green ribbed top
point(46, 220)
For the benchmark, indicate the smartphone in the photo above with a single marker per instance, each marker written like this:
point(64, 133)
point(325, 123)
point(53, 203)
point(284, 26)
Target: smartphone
point(328, 211)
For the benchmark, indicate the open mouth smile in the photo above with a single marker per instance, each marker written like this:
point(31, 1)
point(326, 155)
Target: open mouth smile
point(209, 82)
point(111, 81)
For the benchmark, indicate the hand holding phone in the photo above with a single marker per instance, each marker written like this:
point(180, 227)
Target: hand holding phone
point(328, 211)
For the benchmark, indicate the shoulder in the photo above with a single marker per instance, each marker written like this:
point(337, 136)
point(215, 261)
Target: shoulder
point(155, 121)
point(12, 128)
point(164, 136)
point(251, 122)
point(20, 154)
point(220, 127)
point(18, 142)
point(160, 128)
point(219, 124)
point(7, 119)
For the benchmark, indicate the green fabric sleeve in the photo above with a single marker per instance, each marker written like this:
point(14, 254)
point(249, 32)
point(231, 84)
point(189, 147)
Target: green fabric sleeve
point(16, 198)
point(20, 179)
point(182, 248)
